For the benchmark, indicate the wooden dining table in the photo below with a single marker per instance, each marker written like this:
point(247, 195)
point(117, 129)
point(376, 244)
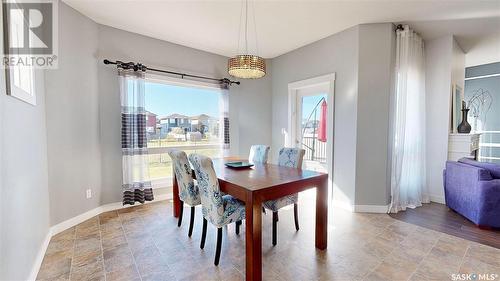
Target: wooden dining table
point(258, 184)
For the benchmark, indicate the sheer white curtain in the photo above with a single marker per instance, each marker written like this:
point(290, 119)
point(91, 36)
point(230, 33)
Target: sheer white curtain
point(135, 171)
point(408, 187)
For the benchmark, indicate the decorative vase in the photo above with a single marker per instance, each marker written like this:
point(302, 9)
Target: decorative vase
point(464, 127)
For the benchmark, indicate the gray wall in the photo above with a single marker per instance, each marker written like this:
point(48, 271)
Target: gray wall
point(375, 68)
point(337, 53)
point(252, 104)
point(249, 103)
point(73, 119)
point(24, 197)
point(362, 58)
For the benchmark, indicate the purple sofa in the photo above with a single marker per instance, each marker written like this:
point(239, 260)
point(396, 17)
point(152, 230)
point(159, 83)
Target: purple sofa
point(472, 189)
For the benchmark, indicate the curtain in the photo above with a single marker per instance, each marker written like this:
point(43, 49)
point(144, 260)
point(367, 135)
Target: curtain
point(224, 119)
point(136, 183)
point(408, 188)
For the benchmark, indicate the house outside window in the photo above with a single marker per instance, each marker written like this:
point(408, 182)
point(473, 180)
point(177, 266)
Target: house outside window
point(185, 117)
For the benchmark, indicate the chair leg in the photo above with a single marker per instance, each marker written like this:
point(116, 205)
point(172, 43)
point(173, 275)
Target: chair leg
point(275, 226)
point(191, 222)
point(180, 215)
point(296, 215)
point(203, 233)
point(219, 244)
point(238, 224)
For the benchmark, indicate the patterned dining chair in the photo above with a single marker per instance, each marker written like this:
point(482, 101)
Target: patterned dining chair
point(258, 153)
point(188, 191)
point(217, 208)
point(288, 157)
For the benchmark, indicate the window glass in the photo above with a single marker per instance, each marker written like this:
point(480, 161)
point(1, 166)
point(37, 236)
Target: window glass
point(180, 117)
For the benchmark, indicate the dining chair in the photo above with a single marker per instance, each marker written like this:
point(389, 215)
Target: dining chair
point(217, 208)
point(188, 191)
point(258, 153)
point(288, 157)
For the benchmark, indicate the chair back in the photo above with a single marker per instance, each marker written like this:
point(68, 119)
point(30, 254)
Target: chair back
point(291, 157)
point(208, 184)
point(187, 191)
point(258, 153)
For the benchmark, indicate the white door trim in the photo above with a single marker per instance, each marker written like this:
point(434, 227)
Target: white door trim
point(293, 87)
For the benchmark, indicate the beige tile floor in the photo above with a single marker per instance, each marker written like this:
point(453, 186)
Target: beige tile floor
point(144, 243)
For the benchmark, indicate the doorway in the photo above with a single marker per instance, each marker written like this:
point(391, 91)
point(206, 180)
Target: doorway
point(311, 121)
point(310, 126)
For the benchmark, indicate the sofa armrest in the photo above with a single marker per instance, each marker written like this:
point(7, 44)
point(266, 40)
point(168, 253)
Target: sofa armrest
point(464, 188)
point(466, 173)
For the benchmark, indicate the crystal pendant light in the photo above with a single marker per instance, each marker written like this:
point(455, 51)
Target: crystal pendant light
point(247, 66)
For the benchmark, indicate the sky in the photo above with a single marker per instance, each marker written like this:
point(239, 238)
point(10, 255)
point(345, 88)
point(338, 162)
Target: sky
point(164, 100)
point(308, 104)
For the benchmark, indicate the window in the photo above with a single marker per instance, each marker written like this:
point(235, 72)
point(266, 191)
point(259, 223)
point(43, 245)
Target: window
point(180, 116)
point(20, 77)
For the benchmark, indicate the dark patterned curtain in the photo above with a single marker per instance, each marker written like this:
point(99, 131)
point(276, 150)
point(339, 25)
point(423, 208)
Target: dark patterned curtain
point(224, 119)
point(136, 183)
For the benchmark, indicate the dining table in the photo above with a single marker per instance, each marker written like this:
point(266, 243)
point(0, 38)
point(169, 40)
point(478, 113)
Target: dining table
point(258, 184)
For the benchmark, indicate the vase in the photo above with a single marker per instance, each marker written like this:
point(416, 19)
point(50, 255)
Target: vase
point(464, 127)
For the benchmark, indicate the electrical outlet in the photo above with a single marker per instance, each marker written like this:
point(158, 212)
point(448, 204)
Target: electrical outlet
point(89, 193)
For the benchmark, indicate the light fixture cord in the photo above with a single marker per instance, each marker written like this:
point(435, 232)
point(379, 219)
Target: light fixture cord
point(246, 27)
point(255, 29)
point(239, 28)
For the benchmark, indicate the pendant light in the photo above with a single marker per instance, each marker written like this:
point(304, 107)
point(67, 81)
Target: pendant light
point(247, 66)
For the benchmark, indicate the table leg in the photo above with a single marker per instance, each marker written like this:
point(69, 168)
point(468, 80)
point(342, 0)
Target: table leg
point(253, 241)
point(322, 214)
point(177, 201)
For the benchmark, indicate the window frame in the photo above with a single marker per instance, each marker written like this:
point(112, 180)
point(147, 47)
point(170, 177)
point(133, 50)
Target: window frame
point(11, 88)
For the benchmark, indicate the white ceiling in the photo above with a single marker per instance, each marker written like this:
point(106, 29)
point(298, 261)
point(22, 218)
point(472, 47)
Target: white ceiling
point(479, 38)
point(282, 26)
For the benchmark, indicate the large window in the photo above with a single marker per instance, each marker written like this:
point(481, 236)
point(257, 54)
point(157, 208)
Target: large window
point(180, 116)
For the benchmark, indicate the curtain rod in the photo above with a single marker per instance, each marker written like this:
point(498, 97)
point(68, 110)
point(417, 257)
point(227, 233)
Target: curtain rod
point(140, 66)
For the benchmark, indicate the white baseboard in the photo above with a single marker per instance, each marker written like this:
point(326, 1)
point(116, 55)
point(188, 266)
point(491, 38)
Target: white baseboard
point(437, 199)
point(39, 257)
point(379, 209)
point(60, 227)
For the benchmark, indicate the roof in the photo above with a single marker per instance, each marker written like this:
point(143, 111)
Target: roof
point(201, 116)
point(174, 116)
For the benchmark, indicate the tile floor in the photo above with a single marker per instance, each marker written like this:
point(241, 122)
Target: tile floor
point(144, 243)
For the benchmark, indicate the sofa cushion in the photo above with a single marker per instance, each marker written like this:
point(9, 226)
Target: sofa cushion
point(494, 169)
